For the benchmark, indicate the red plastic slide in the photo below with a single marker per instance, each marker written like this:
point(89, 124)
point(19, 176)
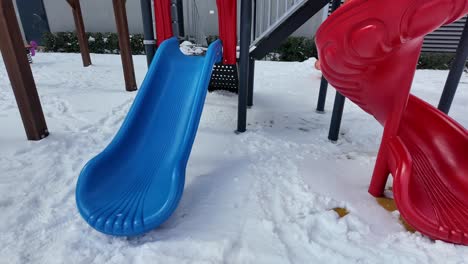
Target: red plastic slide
point(369, 51)
point(227, 17)
point(162, 13)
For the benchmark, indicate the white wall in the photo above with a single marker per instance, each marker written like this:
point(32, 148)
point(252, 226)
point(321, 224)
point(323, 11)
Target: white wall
point(98, 16)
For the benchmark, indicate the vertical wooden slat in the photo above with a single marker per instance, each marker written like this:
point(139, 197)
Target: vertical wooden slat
point(80, 31)
point(19, 72)
point(269, 13)
point(277, 9)
point(120, 13)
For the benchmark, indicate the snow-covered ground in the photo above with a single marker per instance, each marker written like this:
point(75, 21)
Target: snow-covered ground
point(264, 196)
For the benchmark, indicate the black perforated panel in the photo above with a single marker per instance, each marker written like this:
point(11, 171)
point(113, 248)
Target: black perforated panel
point(224, 77)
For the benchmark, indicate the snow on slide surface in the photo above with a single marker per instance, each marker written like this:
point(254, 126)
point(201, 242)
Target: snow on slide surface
point(260, 197)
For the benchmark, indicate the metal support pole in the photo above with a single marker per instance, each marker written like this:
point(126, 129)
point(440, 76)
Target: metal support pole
point(336, 117)
point(322, 95)
point(254, 24)
point(339, 103)
point(120, 13)
point(19, 72)
point(244, 61)
point(251, 82)
point(252, 60)
point(80, 31)
point(150, 42)
point(178, 18)
point(324, 83)
point(455, 73)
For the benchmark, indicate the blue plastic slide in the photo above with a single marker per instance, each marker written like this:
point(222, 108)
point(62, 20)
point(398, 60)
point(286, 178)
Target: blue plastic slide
point(136, 183)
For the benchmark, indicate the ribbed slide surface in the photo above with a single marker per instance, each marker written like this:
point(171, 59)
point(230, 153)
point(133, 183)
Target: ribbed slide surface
point(135, 184)
point(369, 51)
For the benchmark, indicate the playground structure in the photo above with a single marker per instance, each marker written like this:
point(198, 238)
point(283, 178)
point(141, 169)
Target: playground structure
point(135, 184)
point(20, 74)
point(160, 128)
point(424, 149)
point(19, 71)
point(158, 131)
point(120, 15)
point(256, 43)
point(446, 100)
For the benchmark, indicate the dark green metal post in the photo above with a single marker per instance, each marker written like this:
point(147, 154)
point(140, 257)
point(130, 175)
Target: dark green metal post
point(455, 73)
point(148, 29)
point(244, 61)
